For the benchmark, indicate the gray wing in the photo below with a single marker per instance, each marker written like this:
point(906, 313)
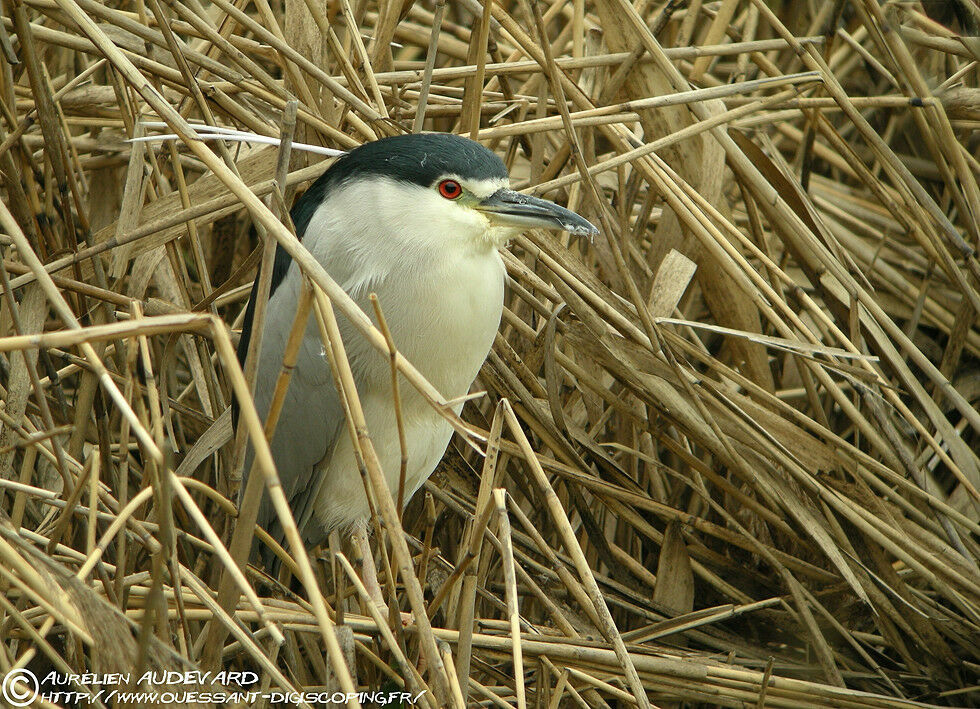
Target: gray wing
point(311, 418)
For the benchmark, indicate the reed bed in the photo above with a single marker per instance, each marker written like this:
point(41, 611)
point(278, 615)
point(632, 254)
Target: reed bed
point(724, 455)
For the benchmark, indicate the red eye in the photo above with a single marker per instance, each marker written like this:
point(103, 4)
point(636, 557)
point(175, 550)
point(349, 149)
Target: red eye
point(450, 189)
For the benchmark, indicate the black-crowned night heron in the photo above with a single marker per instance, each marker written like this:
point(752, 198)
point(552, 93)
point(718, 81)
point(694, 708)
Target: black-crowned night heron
point(418, 220)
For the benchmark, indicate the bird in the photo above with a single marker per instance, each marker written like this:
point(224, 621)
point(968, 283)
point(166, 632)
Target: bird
point(418, 220)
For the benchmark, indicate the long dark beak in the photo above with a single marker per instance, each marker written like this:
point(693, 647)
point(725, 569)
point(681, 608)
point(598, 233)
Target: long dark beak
point(509, 208)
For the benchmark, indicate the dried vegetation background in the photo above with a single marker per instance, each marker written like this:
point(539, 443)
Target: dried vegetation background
point(737, 434)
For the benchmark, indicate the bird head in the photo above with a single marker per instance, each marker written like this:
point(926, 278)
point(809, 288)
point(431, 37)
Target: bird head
point(438, 186)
